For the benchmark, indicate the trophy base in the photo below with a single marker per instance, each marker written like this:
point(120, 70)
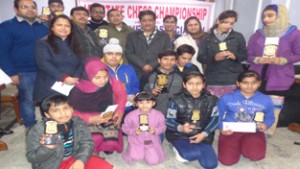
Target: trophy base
point(52, 140)
point(164, 90)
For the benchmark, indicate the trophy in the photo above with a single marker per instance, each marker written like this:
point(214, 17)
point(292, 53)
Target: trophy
point(51, 128)
point(162, 81)
point(108, 116)
point(259, 117)
point(195, 118)
point(103, 36)
point(144, 122)
point(57, 13)
point(46, 11)
point(270, 50)
point(222, 46)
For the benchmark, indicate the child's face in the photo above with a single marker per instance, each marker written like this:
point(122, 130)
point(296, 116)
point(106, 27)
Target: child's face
point(184, 59)
point(113, 59)
point(101, 78)
point(248, 85)
point(269, 17)
point(61, 113)
point(167, 63)
point(145, 106)
point(194, 86)
point(226, 24)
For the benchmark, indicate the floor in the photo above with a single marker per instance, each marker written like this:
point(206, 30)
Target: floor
point(281, 154)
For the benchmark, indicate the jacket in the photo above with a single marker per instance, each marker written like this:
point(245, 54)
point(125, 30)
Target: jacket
point(223, 72)
point(42, 157)
point(180, 111)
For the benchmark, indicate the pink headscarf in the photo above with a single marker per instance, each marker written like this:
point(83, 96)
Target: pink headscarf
point(91, 67)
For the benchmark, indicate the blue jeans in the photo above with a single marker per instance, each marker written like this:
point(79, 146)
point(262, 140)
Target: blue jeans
point(26, 103)
point(202, 152)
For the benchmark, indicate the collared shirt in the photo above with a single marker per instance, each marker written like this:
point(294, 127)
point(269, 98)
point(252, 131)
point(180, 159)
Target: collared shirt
point(150, 38)
point(20, 19)
point(222, 36)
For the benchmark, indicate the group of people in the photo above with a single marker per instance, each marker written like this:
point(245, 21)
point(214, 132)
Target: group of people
point(162, 84)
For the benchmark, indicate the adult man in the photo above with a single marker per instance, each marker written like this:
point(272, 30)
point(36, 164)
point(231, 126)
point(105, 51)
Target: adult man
point(17, 43)
point(143, 46)
point(87, 38)
point(56, 8)
point(116, 29)
point(97, 12)
point(170, 24)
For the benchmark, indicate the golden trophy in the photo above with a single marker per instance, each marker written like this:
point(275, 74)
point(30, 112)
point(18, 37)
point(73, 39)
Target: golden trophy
point(46, 11)
point(103, 37)
point(144, 122)
point(196, 118)
point(270, 50)
point(162, 81)
point(51, 128)
point(259, 117)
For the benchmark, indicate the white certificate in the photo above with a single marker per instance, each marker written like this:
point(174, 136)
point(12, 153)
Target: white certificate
point(243, 127)
point(4, 78)
point(62, 88)
point(110, 109)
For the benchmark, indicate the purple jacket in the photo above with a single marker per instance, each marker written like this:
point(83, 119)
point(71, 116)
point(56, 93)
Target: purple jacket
point(278, 77)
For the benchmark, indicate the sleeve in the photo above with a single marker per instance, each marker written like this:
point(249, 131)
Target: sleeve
point(120, 96)
point(36, 152)
point(241, 53)
point(131, 55)
point(128, 127)
point(43, 57)
point(161, 127)
point(269, 113)
point(251, 49)
point(148, 86)
point(295, 47)
point(202, 53)
point(171, 117)
point(221, 105)
point(135, 81)
point(85, 142)
point(214, 121)
point(6, 45)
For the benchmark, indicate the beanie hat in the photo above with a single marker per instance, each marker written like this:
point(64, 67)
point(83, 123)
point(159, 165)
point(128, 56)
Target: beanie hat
point(113, 46)
point(57, 1)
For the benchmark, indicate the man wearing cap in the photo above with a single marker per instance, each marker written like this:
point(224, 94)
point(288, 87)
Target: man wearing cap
point(17, 43)
point(56, 7)
point(88, 39)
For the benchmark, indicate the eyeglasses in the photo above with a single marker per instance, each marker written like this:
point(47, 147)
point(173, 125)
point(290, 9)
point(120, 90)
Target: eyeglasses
point(95, 12)
point(27, 7)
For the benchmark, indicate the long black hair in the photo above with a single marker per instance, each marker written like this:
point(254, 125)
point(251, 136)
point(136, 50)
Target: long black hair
point(71, 39)
point(224, 15)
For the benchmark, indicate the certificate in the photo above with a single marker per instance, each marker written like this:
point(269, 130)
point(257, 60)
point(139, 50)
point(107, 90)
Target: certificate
point(110, 109)
point(243, 127)
point(5, 79)
point(62, 88)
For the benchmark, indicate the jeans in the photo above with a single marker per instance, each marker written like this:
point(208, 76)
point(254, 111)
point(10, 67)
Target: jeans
point(26, 103)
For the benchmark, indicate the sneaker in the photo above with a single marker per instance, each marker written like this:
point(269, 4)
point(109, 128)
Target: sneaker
point(178, 157)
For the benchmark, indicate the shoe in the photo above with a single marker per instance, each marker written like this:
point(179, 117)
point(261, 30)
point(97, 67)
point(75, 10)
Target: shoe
point(4, 132)
point(178, 157)
point(3, 146)
point(294, 127)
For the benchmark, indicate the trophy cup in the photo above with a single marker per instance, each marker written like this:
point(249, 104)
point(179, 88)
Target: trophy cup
point(222, 46)
point(46, 11)
point(144, 122)
point(103, 36)
point(51, 128)
point(195, 118)
point(162, 81)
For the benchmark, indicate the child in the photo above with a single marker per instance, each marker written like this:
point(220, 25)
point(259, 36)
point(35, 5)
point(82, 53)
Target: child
point(164, 74)
point(90, 98)
point(191, 122)
point(243, 105)
point(112, 57)
point(143, 127)
point(75, 145)
point(183, 66)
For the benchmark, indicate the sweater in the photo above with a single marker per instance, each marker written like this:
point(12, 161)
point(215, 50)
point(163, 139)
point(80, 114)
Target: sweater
point(237, 108)
point(17, 44)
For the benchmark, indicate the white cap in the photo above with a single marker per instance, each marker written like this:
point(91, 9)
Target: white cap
point(113, 46)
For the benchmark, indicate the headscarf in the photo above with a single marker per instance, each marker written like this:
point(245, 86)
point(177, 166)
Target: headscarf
point(281, 25)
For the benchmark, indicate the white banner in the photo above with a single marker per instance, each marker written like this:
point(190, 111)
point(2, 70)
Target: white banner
point(182, 9)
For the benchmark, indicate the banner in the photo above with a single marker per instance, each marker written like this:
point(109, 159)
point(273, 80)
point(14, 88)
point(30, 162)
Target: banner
point(182, 9)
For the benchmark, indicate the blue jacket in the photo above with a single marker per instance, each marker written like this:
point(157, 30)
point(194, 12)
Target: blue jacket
point(53, 66)
point(126, 74)
point(17, 44)
point(237, 108)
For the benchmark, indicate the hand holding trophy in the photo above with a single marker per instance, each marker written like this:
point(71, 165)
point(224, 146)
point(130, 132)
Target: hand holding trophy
point(162, 81)
point(51, 131)
point(144, 122)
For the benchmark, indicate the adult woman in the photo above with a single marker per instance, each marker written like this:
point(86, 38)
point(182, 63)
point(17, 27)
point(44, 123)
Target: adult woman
point(272, 51)
point(57, 58)
point(222, 51)
point(193, 37)
point(191, 121)
point(90, 98)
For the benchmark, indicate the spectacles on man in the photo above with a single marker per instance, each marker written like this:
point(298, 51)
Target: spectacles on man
point(96, 12)
point(26, 7)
